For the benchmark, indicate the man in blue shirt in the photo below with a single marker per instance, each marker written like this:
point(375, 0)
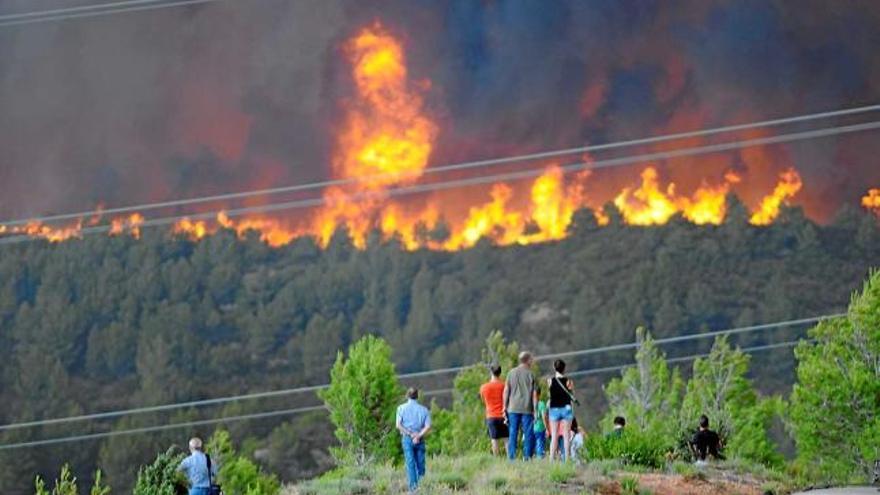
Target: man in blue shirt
point(413, 422)
point(195, 467)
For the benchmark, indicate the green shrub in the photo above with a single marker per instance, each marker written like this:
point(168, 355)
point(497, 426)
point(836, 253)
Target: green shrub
point(241, 476)
point(443, 424)
point(362, 398)
point(629, 486)
point(161, 477)
point(631, 448)
point(454, 481)
point(498, 482)
point(99, 488)
point(237, 474)
point(561, 472)
point(66, 484)
point(40, 486)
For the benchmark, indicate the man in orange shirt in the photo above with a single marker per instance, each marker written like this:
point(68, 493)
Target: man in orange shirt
point(492, 393)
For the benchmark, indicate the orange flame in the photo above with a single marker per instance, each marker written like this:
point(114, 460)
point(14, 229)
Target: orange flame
point(649, 204)
point(789, 185)
point(132, 224)
point(387, 137)
point(194, 229)
point(871, 201)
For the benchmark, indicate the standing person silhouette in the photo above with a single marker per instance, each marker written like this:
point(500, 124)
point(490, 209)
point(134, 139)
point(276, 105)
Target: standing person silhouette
point(413, 422)
point(520, 400)
point(561, 411)
point(492, 393)
point(198, 469)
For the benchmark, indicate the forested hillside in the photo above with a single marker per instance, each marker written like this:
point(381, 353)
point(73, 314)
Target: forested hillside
point(107, 323)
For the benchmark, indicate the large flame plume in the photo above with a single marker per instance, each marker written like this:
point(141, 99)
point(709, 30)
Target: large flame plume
point(386, 139)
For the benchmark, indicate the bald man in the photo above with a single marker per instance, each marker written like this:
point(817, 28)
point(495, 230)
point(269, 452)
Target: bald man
point(195, 467)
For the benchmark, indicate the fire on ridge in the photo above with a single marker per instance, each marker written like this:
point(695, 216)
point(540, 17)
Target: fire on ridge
point(385, 141)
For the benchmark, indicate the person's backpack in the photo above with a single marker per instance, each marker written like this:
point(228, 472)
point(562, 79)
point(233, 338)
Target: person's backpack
point(215, 488)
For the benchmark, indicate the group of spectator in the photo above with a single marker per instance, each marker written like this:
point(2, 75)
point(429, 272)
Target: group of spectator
point(516, 408)
point(518, 416)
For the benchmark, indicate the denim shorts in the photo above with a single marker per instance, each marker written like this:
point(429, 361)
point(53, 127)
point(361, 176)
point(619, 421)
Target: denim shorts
point(561, 414)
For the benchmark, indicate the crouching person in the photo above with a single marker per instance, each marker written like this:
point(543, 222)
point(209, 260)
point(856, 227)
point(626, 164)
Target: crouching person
point(413, 422)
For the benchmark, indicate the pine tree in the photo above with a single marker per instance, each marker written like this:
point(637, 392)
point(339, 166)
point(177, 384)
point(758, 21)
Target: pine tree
point(362, 399)
point(835, 404)
point(648, 394)
point(719, 389)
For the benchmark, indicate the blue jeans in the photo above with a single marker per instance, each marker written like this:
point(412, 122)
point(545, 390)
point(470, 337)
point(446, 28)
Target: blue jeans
point(414, 458)
point(199, 491)
point(517, 421)
point(539, 444)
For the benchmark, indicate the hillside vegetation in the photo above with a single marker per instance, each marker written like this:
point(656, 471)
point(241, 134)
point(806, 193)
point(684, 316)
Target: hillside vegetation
point(107, 323)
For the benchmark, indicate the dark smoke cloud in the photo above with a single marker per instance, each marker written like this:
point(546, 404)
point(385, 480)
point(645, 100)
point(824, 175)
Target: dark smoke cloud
point(233, 95)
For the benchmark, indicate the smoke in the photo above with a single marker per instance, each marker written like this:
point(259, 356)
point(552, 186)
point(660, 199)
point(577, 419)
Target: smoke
point(228, 96)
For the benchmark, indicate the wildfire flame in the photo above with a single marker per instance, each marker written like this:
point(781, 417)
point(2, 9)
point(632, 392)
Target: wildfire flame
point(871, 201)
point(652, 205)
point(789, 185)
point(385, 139)
point(131, 224)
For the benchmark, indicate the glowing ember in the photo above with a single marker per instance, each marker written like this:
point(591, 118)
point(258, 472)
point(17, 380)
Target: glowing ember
point(789, 185)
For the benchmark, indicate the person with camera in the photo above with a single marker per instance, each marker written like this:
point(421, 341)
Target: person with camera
point(561, 411)
point(199, 471)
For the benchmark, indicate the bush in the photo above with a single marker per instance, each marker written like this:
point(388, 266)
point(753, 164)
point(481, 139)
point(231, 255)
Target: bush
point(629, 486)
point(454, 481)
point(161, 477)
point(632, 447)
point(561, 472)
point(99, 488)
point(66, 484)
point(362, 399)
point(237, 474)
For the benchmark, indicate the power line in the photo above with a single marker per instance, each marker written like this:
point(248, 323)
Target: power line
point(70, 10)
point(451, 184)
point(153, 429)
point(718, 333)
point(447, 168)
point(94, 10)
point(609, 369)
point(440, 371)
point(288, 412)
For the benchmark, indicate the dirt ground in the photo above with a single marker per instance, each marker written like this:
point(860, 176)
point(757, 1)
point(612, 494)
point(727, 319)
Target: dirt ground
point(710, 484)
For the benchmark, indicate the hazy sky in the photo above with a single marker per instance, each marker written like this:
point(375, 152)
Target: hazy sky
point(238, 94)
